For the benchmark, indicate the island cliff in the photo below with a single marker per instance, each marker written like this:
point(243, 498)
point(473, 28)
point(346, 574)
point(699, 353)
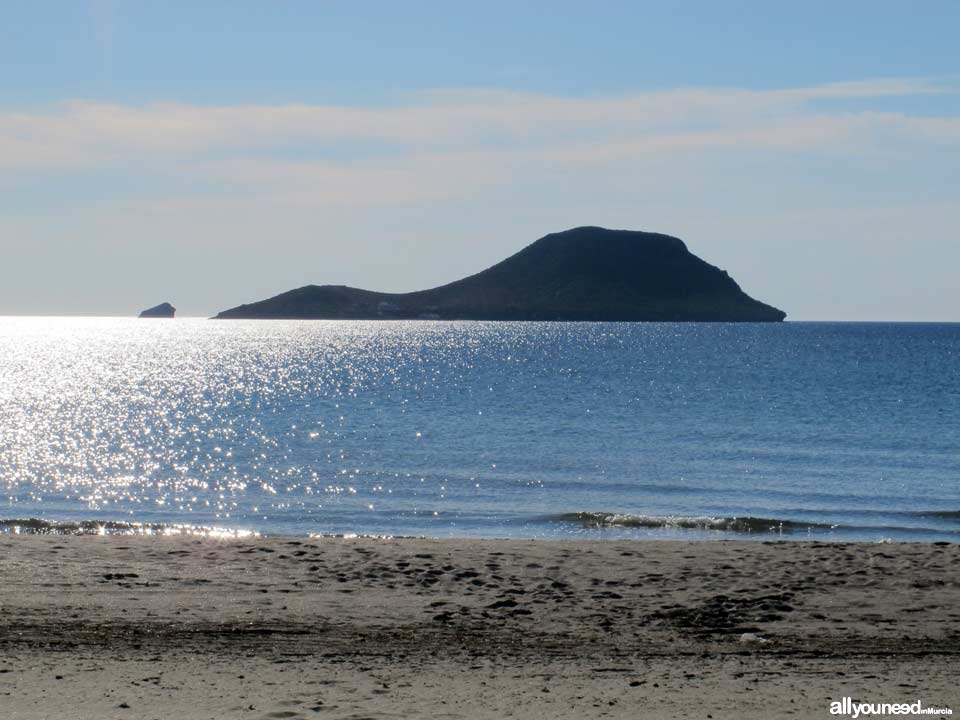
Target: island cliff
point(163, 310)
point(587, 273)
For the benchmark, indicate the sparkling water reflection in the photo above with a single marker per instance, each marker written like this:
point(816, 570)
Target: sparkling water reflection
point(490, 429)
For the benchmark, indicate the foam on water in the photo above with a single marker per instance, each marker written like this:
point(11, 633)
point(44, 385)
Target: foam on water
point(723, 524)
point(36, 526)
point(745, 525)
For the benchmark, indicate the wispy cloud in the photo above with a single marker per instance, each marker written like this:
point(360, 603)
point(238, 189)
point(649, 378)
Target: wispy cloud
point(444, 142)
point(433, 118)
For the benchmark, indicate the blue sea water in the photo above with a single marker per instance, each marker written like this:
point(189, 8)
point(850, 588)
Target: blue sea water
point(831, 431)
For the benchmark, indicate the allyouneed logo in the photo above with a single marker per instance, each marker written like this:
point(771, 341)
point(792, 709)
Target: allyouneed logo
point(855, 710)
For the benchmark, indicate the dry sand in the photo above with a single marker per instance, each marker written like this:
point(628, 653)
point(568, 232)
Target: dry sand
point(140, 627)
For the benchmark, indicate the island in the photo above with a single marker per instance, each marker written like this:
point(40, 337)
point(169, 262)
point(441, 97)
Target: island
point(163, 310)
point(583, 274)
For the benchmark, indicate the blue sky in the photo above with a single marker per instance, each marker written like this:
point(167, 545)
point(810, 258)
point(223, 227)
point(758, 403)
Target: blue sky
point(216, 155)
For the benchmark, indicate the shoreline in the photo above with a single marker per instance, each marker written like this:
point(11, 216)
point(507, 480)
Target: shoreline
point(362, 627)
point(594, 527)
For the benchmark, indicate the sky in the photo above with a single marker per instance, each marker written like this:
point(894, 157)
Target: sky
point(215, 153)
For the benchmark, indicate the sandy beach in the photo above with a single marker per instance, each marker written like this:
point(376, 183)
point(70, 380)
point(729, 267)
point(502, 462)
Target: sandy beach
point(154, 627)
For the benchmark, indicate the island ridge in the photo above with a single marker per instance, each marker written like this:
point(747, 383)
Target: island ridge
point(587, 273)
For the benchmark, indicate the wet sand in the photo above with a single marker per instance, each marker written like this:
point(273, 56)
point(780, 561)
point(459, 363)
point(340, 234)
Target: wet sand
point(140, 627)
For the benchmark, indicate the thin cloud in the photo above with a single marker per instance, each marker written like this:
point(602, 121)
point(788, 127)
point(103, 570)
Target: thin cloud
point(443, 143)
point(431, 118)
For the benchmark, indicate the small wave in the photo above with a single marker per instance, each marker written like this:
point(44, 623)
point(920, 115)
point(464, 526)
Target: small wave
point(725, 524)
point(940, 514)
point(36, 526)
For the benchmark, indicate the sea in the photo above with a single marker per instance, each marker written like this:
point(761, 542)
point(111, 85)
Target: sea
point(699, 431)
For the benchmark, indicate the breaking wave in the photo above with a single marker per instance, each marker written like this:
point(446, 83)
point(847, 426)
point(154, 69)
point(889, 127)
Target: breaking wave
point(35, 526)
point(726, 524)
point(748, 524)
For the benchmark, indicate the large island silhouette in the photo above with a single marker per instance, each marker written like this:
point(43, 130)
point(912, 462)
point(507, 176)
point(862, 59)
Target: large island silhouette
point(587, 273)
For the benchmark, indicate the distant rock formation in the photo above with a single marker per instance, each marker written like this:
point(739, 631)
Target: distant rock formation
point(163, 310)
point(587, 273)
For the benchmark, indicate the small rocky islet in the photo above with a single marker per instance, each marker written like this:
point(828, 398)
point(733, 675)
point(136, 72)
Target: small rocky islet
point(163, 310)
